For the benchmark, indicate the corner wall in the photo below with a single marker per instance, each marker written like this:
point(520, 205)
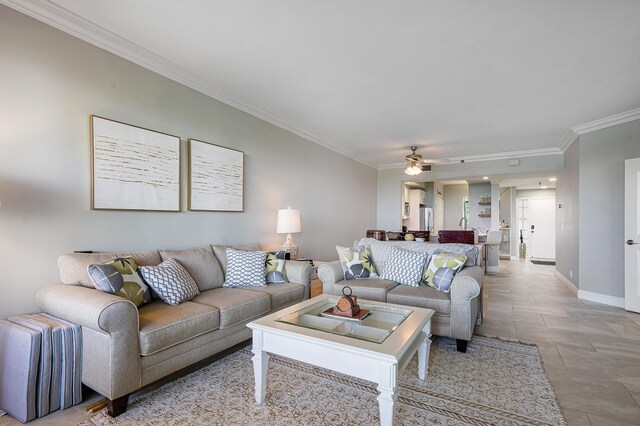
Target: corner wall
point(567, 216)
point(601, 214)
point(50, 82)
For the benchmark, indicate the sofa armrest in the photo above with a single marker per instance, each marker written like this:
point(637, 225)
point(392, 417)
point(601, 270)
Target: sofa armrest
point(330, 274)
point(111, 353)
point(466, 286)
point(299, 272)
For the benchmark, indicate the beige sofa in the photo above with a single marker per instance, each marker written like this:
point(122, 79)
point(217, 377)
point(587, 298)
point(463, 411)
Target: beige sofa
point(456, 312)
point(126, 348)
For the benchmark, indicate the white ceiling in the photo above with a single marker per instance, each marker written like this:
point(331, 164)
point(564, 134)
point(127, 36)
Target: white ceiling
point(369, 78)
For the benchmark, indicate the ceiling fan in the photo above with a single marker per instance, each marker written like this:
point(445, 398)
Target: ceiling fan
point(416, 164)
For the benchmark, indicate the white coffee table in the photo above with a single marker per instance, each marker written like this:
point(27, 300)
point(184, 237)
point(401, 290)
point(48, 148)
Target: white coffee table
point(377, 349)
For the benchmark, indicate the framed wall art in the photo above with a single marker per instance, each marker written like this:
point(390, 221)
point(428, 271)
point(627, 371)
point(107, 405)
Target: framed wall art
point(133, 168)
point(216, 177)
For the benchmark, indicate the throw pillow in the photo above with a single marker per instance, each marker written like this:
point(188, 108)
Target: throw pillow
point(170, 281)
point(245, 268)
point(405, 266)
point(442, 269)
point(357, 262)
point(120, 277)
point(275, 267)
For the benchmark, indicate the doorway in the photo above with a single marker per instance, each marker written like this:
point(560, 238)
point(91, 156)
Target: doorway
point(632, 235)
point(537, 221)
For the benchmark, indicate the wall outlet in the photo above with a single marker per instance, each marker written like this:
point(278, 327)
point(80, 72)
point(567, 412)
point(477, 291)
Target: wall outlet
point(571, 273)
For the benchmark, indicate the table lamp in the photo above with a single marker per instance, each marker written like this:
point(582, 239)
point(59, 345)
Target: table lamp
point(289, 223)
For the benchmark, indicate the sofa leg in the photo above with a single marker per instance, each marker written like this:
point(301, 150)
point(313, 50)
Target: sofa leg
point(117, 406)
point(461, 345)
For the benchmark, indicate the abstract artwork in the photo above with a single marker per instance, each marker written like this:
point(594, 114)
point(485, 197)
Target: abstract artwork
point(215, 177)
point(133, 168)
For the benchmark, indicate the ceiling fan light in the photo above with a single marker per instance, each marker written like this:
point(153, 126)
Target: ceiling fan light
point(413, 170)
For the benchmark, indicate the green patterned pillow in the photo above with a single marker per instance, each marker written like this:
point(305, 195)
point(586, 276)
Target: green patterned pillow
point(275, 268)
point(120, 277)
point(442, 269)
point(357, 262)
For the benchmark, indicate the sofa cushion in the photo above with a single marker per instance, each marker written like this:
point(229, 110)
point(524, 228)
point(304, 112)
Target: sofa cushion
point(201, 264)
point(357, 262)
point(405, 266)
point(381, 250)
point(235, 304)
point(170, 281)
point(422, 297)
point(245, 268)
point(275, 271)
point(73, 266)
point(143, 258)
point(442, 268)
point(120, 277)
point(221, 252)
point(281, 294)
point(370, 289)
point(163, 326)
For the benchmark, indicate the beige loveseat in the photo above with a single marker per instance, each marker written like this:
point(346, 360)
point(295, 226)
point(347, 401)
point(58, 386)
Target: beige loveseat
point(126, 348)
point(456, 312)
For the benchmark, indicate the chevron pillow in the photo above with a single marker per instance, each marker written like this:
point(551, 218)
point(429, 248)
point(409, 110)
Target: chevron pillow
point(171, 281)
point(405, 266)
point(245, 268)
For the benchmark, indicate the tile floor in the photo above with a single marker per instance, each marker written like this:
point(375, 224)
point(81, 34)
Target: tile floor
point(591, 352)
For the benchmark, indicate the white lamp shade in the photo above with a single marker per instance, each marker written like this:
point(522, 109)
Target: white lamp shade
point(288, 221)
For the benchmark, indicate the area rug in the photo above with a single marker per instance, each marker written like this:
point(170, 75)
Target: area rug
point(494, 383)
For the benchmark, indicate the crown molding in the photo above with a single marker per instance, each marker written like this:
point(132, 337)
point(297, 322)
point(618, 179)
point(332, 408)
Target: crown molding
point(70, 23)
point(602, 123)
point(486, 157)
point(538, 152)
point(569, 138)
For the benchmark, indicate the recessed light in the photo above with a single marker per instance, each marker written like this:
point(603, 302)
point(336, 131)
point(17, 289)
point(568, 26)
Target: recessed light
point(543, 187)
point(552, 179)
point(485, 177)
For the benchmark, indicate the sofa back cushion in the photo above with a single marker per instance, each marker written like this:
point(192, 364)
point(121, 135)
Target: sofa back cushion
point(201, 264)
point(380, 250)
point(221, 252)
point(73, 266)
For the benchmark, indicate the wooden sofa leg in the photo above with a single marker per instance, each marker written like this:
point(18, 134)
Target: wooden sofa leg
point(117, 406)
point(461, 345)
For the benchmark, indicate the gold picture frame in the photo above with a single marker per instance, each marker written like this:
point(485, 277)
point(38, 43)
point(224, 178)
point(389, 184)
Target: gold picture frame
point(133, 168)
point(216, 177)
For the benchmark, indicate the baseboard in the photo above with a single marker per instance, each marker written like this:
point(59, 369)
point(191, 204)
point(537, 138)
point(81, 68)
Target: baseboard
point(605, 299)
point(564, 280)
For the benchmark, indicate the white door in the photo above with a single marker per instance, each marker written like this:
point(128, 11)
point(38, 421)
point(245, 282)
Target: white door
point(542, 228)
point(632, 235)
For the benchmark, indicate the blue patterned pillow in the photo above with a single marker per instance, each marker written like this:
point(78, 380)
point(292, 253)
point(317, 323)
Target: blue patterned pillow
point(245, 268)
point(276, 273)
point(405, 266)
point(170, 281)
point(357, 262)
